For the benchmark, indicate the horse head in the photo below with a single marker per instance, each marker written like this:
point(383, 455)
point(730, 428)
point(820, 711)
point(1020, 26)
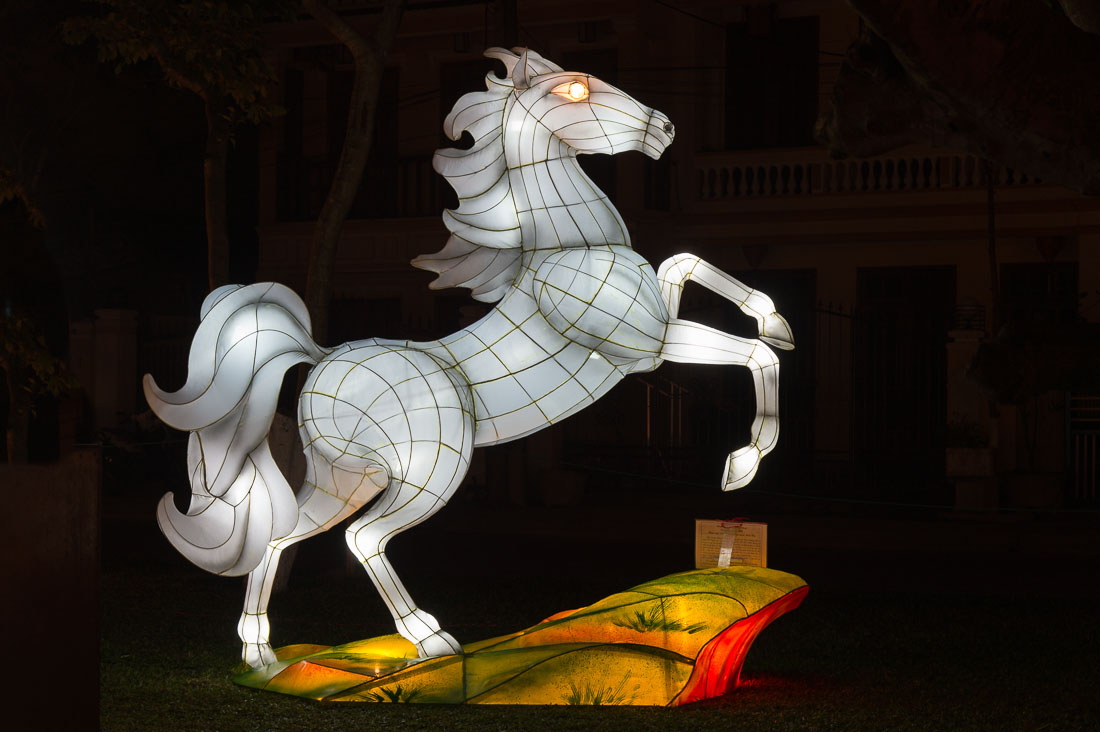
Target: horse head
point(584, 113)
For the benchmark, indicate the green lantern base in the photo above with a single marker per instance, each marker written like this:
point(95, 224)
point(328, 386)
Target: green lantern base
point(670, 641)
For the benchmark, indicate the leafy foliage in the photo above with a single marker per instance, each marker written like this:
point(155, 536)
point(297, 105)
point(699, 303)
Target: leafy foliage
point(23, 350)
point(603, 696)
point(12, 189)
point(211, 47)
point(655, 619)
point(392, 695)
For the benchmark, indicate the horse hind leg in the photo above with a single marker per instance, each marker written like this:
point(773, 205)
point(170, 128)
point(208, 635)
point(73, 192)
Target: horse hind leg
point(407, 410)
point(405, 503)
point(689, 342)
point(328, 496)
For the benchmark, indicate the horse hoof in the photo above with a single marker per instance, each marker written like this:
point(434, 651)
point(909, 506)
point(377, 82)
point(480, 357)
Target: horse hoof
point(440, 643)
point(777, 332)
point(256, 655)
point(741, 466)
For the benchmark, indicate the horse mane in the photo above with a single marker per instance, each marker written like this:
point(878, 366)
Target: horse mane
point(483, 250)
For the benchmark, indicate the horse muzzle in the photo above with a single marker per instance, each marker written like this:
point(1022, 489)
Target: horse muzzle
point(659, 134)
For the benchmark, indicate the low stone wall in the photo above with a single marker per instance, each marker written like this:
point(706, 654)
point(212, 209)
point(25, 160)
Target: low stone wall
point(49, 541)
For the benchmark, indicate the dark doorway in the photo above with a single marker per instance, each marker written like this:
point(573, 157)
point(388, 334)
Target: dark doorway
point(899, 383)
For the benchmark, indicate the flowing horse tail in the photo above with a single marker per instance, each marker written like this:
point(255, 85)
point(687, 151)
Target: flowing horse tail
point(247, 339)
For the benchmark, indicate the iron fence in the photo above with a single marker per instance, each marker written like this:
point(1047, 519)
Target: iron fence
point(1082, 441)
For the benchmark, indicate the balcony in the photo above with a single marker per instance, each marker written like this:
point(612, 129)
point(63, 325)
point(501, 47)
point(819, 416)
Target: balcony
point(746, 174)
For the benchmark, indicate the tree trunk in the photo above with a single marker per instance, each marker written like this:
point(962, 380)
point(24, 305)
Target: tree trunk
point(214, 183)
point(1013, 81)
point(991, 246)
point(369, 56)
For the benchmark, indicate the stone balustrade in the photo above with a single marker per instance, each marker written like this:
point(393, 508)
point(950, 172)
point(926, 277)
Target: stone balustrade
point(809, 171)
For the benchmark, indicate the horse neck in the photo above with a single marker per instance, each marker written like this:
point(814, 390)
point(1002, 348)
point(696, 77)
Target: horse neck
point(557, 203)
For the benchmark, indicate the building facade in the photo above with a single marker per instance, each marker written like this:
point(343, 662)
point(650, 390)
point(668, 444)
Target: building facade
point(882, 266)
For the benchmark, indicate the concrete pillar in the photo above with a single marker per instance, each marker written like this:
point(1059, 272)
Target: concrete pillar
point(965, 402)
point(1088, 275)
point(115, 382)
point(972, 435)
point(836, 293)
point(82, 355)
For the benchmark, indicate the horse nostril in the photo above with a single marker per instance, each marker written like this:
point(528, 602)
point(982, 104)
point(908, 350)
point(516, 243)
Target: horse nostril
point(669, 129)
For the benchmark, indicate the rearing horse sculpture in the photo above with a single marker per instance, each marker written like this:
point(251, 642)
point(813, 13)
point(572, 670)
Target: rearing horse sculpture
point(392, 423)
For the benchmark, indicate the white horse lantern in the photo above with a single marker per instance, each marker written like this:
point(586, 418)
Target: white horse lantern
point(391, 423)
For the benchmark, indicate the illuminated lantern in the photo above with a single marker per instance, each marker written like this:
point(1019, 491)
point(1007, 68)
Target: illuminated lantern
point(670, 641)
point(390, 425)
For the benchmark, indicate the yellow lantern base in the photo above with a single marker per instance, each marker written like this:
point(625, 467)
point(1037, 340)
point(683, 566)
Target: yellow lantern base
point(670, 641)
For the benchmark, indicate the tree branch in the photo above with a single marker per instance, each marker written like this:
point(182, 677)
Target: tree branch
point(338, 27)
point(369, 56)
point(1013, 81)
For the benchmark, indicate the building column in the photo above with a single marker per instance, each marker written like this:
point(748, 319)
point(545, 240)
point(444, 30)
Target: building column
point(114, 379)
point(1088, 276)
point(836, 293)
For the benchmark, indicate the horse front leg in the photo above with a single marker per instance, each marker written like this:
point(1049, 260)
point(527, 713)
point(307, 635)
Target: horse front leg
point(676, 271)
point(689, 342)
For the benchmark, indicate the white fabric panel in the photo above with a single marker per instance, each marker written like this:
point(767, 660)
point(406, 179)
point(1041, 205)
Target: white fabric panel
point(543, 378)
point(519, 423)
point(566, 183)
point(545, 184)
point(564, 398)
point(486, 365)
point(586, 222)
point(502, 396)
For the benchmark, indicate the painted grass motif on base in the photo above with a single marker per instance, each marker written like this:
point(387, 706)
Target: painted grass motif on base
point(670, 641)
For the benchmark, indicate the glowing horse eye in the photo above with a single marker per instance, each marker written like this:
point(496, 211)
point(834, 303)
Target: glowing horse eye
point(574, 91)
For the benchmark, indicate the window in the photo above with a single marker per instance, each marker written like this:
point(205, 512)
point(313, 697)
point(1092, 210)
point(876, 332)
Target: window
point(771, 81)
point(290, 201)
point(1039, 294)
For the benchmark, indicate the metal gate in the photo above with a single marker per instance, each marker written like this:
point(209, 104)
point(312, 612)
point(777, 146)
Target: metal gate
point(1083, 439)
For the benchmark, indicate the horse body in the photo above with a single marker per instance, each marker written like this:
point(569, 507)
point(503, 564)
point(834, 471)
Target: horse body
point(524, 373)
point(390, 425)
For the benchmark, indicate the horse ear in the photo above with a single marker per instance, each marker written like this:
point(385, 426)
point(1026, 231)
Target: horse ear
point(523, 65)
point(537, 63)
point(522, 73)
point(508, 58)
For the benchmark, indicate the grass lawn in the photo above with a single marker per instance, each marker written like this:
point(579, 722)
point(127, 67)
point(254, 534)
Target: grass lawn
point(843, 661)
